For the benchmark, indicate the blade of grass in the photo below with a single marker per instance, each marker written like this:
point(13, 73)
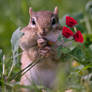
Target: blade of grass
point(26, 68)
point(32, 66)
point(3, 72)
point(12, 64)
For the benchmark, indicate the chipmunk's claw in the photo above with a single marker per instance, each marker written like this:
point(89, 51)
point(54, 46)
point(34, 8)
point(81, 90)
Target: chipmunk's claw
point(45, 51)
point(41, 43)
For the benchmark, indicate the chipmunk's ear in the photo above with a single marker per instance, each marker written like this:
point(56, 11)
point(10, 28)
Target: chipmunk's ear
point(30, 11)
point(56, 10)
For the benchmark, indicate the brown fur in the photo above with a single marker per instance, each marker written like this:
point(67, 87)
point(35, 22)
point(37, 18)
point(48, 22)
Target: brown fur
point(44, 73)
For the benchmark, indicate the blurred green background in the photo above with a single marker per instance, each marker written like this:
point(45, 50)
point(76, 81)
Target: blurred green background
point(14, 13)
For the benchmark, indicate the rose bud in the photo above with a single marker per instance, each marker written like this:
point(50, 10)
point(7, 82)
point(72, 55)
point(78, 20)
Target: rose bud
point(66, 32)
point(78, 37)
point(70, 21)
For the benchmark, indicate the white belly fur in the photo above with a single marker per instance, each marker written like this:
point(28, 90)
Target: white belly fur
point(44, 77)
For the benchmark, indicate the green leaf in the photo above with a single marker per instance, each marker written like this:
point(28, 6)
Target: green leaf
point(17, 34)
point(59, 51)
point(65, 50)
point(65, 39)
point(78, 53)
point(80, 27)
point(88, 55)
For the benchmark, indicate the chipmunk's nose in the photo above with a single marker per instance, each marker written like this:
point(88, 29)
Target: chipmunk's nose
point(43, 32)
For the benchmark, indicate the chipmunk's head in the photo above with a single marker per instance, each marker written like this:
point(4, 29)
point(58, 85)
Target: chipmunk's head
point(44, 22)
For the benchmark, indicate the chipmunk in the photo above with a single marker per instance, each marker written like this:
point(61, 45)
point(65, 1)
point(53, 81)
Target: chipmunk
point(43, 27)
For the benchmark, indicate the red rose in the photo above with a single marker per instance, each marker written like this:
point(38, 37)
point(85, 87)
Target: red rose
point(70, 21)
point(78, 37)
point(66, 32)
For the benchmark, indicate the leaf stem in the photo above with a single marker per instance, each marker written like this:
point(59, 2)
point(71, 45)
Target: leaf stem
point(75, 29)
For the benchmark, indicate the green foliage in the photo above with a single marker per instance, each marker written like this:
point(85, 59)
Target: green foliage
point(15, 43)
point(77, 76)
point(78, 53)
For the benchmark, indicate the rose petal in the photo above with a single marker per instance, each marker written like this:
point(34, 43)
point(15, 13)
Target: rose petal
point(78, 37)
point(66, 32)
point(70, 21)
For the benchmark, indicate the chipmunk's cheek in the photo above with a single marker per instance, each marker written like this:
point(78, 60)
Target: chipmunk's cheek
point(24, 41)
point(23, 44)
point(52, 37)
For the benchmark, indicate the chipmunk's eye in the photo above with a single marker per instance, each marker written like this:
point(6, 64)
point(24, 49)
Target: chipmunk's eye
point(53, 21)
point(33, 21)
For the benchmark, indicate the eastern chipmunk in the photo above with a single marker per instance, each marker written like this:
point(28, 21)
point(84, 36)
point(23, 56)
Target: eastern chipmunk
point(43, 27)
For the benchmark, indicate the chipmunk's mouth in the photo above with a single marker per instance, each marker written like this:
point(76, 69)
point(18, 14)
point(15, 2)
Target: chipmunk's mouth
point(50, 43)
point(53, 36)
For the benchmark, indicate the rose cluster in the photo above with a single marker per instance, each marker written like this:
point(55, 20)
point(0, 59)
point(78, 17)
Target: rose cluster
point(67, 32)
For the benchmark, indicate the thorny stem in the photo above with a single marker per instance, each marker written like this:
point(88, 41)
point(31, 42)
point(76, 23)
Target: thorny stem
point(75, 29)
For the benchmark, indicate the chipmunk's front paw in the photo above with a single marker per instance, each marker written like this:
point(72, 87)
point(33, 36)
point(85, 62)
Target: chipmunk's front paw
point(45, 51)
point(41, 43)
